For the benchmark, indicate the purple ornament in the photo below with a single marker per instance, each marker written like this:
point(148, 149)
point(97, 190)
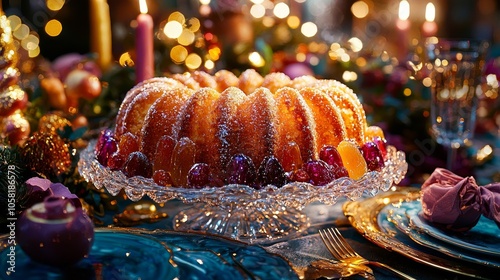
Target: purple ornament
point(55, 232)
point(39, 189)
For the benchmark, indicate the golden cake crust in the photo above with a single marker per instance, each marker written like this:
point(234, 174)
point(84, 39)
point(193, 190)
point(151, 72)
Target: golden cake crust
point(257, 116)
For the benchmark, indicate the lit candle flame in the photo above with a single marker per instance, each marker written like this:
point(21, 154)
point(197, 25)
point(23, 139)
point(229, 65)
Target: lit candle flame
point(143, 6)
point(404, 10)
point(430, 12)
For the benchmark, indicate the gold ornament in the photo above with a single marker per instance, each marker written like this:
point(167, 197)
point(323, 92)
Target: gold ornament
point(47, 154)
point(52, 123)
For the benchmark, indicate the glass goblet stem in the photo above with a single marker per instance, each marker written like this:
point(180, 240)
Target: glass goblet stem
point(451, 156)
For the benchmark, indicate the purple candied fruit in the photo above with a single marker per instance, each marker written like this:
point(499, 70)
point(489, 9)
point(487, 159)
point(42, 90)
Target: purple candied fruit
point(373, 156)
point(104, 136)
point(339, 172)
point(330, 155)
point(138, 164)
point(107, 149)
point(271, 172)
point(240, 170)
point(320, 173)
point(199, 176)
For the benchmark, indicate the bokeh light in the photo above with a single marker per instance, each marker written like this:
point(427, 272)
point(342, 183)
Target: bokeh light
point(257, 11)
point(256, 59)
point(281, 10)
point(178, 54)
point(177, 16)
point(55, 5)
point(293, 22)
point(360, 9)
point(173, 29)
point(186, 38)
point(53, 28)
point(21, 32)
point(309, 29)
point(193, 61)
point(356, 44)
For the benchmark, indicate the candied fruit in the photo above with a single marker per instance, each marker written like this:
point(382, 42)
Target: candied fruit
point(183, 158)
point(299, 175)
point(198, 176)
point(116, 161)
point(271, 172)
point(291, 157)
point(128, 144)
point(320, 173)
point(330, 155)
point(372, 132)
point(339, 172)
point(137, 164)
point(240, 170)
point(382, 145)
point(104, 136)
point(352, 158)
point(107, 149)
point(162, 178)
point(373, 156)
point(163, 155)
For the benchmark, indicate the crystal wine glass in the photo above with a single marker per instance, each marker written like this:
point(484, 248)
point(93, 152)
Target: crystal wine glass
point(455, 71)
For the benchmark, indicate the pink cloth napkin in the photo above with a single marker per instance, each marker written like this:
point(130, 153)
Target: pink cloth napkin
point(457, 203)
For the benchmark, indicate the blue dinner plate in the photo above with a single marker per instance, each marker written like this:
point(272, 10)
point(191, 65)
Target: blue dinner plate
point(483, 238)
point(130, 253)
point(393, 218)
point(114, 255)
point(201, 256)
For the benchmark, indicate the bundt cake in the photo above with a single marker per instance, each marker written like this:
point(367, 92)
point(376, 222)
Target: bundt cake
point(264, 125)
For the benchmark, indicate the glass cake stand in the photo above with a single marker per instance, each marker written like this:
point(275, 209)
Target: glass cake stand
point(240, 212)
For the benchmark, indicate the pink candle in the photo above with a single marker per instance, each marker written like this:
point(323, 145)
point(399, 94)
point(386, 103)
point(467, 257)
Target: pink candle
point(144, 64)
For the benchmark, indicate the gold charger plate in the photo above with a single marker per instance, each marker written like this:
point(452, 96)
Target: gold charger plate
point(363, 215)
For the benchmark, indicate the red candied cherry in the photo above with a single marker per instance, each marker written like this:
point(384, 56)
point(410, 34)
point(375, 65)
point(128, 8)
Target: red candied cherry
point(116, 161)
point(162, 178)
point(240, 170)
point(381, 144)
point(298, 175)
point(199, 176)
point(271, 172)
point(320, 173)
point(373, 156)
point(137, 164)
point(330, 155)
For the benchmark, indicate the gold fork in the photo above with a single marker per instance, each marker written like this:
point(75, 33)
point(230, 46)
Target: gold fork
point(341, 250)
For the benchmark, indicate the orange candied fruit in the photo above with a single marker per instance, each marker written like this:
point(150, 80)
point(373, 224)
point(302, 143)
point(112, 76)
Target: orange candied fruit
point(352, 158)
point(372, 132)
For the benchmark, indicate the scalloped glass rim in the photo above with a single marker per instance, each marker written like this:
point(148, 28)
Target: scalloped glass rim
point(295, 194)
